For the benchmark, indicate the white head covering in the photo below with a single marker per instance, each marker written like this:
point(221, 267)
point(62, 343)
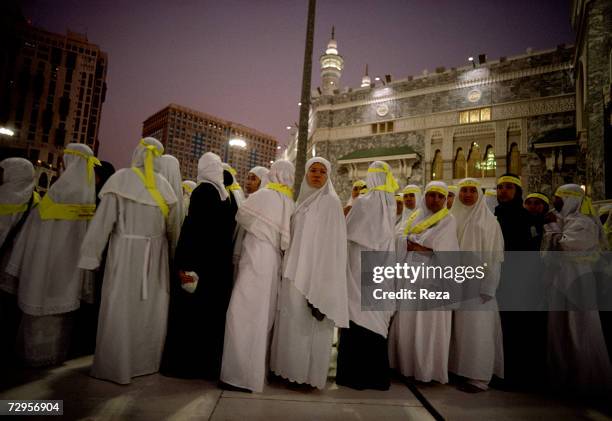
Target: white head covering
point(261, 173)
point(77, 184)
point(477, 227)
point(439, 236)
point(18, 181)
point(416, 190)
point(127, 184)
point(266, 213)
point(188, 187)
point(574, 202)
point(572, 196)
point(371, 221)
point(236, 190)
point(210, 170)
point(16, 189)
point(316, 260)
point(170, 169)
point(491, 199)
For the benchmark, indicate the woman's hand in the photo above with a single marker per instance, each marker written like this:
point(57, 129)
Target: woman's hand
point(185, 279)
point(412, 246)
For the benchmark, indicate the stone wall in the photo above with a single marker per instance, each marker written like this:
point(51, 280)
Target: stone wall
point(337, 149)
point(598, 38)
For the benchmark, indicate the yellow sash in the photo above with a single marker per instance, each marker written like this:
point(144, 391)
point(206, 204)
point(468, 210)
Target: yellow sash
point(11, 209)
point(48, 209)
point(91, 162)
point(155, 194)
point(281, 188)
point(426, 223)
point(390, 185)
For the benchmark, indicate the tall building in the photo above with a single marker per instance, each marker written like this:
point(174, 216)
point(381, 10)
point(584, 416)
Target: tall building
point(488, 117)
point(592, 21)
point(52, 88)
point(332, 64)
point(187, 134)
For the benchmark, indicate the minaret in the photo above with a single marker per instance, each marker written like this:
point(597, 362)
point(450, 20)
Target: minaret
point(365, 80)
point(331, 67)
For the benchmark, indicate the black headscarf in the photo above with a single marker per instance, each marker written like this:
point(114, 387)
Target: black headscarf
point(103, 173)
point(513, 219)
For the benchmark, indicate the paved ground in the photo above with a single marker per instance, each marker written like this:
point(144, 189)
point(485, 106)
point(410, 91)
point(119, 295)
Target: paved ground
point(157, 397)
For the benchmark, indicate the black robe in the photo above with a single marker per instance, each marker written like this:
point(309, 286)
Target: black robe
point(524, 332)
point(196, 321)
point(363, 359)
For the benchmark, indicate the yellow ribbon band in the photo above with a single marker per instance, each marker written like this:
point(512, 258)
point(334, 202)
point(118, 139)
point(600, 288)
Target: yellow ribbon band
point(10, 209)
point(568, 193)
point(390, 185)
point(188, 188)
point(490, 193)
point(48, 209)
point(281, 188)
point(538, 196)
point(232, 171)
point(359, 183)
point(91, 162)
point(155, 194)
point(452, 189)
point(509, 179)
point(469, 183)
point(408, 190)
point(437, 189)
point(426, 223)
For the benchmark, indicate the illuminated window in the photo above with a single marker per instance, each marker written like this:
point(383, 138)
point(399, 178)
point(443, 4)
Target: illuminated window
point(460, 164)
point(437, 172)
point(488, 165)
point(473, 163)
point(475, 116)
point(386, 127)
point(514, 159)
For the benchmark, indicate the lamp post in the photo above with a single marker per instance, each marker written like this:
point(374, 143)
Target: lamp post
point(233, 143)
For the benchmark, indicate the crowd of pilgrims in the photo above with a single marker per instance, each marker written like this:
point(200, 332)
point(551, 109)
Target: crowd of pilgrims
point(195, 280)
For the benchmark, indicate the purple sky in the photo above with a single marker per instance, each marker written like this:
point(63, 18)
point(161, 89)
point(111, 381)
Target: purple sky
point(242, 59)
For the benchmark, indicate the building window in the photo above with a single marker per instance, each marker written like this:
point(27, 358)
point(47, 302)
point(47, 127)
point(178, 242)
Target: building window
point(386, 127)
point(514, 160)
point(437, 172)
point(459, 164)
point(473, 163)
point(475, 116)
point(488, 164)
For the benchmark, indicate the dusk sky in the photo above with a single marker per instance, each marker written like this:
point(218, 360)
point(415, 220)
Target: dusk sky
point(241, 60)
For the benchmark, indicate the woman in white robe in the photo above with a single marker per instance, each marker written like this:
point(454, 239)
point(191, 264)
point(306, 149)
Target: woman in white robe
point(577, 355)
point(419, 341)
point(362, 352)
point(17, 197)
point(188, 187)
point(256, 179)
point(45, 257)
point(139, 220)
point(313, 295)
point(477, 351)
point(170, 169)
point(412, 197)
point(266, 218)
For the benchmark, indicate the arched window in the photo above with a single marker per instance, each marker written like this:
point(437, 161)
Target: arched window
point(459, 165)
point(514, 160)
point(488, 163)
point(436, 166)
point(473, 164)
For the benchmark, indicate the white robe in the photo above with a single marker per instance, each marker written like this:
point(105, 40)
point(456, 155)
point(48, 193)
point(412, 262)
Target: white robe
point(250, 315)
point(314, 272)
point(577, 355)
point(135, 291)
point(419, 341)
point(476, 350)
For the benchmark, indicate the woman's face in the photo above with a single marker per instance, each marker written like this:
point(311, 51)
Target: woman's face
point(252, 183)
point(317, 175)
point(535, 206)
point(468, 195)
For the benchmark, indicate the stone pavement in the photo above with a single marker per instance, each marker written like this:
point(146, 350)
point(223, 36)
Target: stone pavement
point(157, 397)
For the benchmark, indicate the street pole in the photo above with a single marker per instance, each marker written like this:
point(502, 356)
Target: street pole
point(300, 161)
